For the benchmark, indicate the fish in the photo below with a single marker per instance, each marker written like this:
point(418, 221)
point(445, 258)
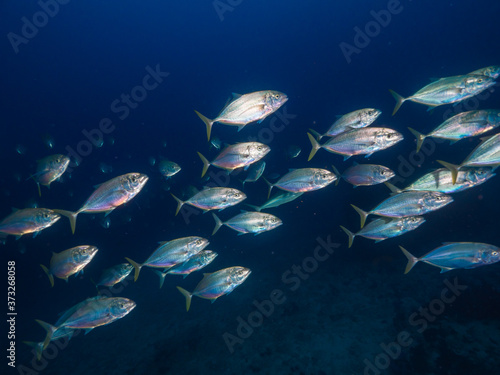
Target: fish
point(447, 90)
point(456, 255)
point(195, 263)
point(168, 168)
point(108, 196)
point(216, 198)
point(217, 284)
point(303, 179)
point(89, 314)
point(58, 334)
point(50, 169)
point(462, 125)
point(69, 262)
point(384, 228)
point(358, 119)
point(236, 156)
point(486, 154)
point(293, 151)
point(216, 143)
point(277, 200)
point(114, 275)
point(244, 109)
point(171, 253)
point(367, 174)
point(441, 180)
point(255, 171)
point(410, 203)
point(249, 222)
point(490, 71)
point(27, 220)
point(364, 141)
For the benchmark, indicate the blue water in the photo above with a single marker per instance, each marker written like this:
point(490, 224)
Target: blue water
point(67, 76)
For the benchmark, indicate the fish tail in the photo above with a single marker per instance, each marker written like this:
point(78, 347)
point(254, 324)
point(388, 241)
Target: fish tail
point(453, 169)
point(316, 134)
point(270, 187)
point(207, 122)
point(50, 331)
point(363, 214)
point(137, 267)
point(337, 174)
point(315, 146)
point(394, 189)
point(420, 138)
point(399, 101)
point(162, 276)
point(49, 274)
point(38, 346)
point(350, 234)
point(71, 216)
point(256, 208)
point(218, 223)
point(188, 296)
point(411, 259)
point(179, 204)
point(206, 164)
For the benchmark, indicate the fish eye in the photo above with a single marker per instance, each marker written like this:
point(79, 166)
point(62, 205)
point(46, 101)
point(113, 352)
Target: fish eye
point(198, 242)
point(494, 253)
point(276, 96)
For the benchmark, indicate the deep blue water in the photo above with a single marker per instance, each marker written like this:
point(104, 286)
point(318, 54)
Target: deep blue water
point(63, 79)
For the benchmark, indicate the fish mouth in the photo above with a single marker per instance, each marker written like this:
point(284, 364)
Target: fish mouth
point(143, 179)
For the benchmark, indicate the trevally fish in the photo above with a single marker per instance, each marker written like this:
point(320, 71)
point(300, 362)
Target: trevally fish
point(244, 109)
point(170, 253)
point(217, 284)
point(455, 255)
point(168, 168)
point(364, 141)
point(50, 169)
point(195, 263)
point(490, 71)
point(69, 262)
point(236, 156)
point(27, 220)
point(486, 154)
point(277, 200)
point(303, 179)
point(216, 198)
point(410, 203)
point(249, 222)
point(463, 125)
point(254, 172)
point(447, 90)
point(367, 174)
point(216, 143)
point(113, 275)
point(352, 120)
point(109, 195)
point(384, 228)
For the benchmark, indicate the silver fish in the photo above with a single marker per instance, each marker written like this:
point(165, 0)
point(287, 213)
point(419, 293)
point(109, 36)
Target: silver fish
point(490, 71)
point(277, 200)
point(168, 168)
point(303, 179)
point(50, 169)
point(115, 274)
point(249, 222)
point(27, 220)
point(367, 174)
point(217, 198)
point(247, 108)
point(255, 172)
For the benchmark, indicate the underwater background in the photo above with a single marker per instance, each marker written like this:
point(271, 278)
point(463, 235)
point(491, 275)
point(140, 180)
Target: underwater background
point(354, 311)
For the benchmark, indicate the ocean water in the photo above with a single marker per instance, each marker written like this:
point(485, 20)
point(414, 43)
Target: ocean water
point(311, 305)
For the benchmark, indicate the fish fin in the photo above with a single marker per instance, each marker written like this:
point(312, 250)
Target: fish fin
point(218, 223)
point(337, 174)
point(419, 136)
point(255, 208)
point(452, 168)
point(243, 125)
point(270, 187)
point(137, 268)
point(236, 95)
point(399, 101)
point(207, 122)
point(38, 346)
point(242, 233)
point(245, 168)
point(350, 234)
point(14, 209)
point(162, 276)
point(346, 157)
point(71, 216)
point(49, 274)
point(315, 146)
point(18, 236)
point(36, 233)
point(179, 204)
point(188, 296)
point(363, 214)
point(382, 239)
point(206, 164)
point(88, 330)
point(393, 188)
point(316, 134)
point(97, 186)
point(367, 155)
point(445, 269)
point(411, 259)
point(453, 141)
point(258, 122)
point(50, 331)
point(109, 211)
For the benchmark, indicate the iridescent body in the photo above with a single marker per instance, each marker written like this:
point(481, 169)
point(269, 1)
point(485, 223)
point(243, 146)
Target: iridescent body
point(367, 174)
point(456, 255)
point(109, 195)
point(217, 284)
point(27, 220)
point(490, 71)
point(168, 168)
point(217, 198)
point(50, 169)
point(237, 156)
point(170, 253)
point(115, 274)
point(358, 142)
point(277, 200)
point(244, 109)
point(255, 172)
point(352, 120)
point(249, 222)
point(304, 179)
point(69, 262)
